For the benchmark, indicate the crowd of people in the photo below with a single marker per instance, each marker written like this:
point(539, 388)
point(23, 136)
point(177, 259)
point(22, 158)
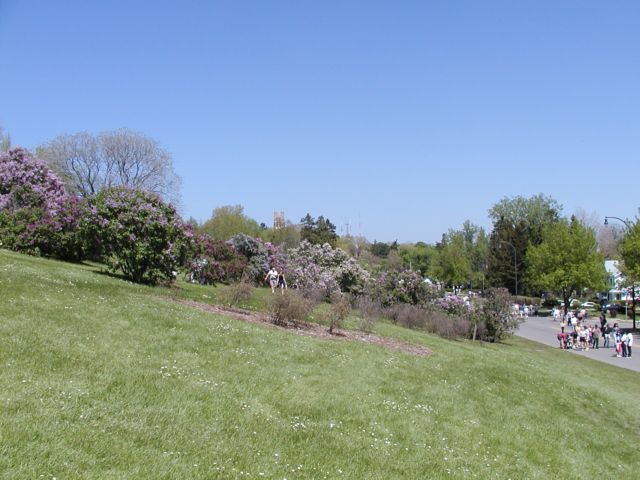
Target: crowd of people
point(577, 334)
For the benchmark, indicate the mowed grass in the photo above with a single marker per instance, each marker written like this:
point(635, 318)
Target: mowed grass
point(103, 379)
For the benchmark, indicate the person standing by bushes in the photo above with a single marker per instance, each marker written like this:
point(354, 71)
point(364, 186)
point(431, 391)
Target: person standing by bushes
point(282, 282)
point(629, 343)
point(272, 278)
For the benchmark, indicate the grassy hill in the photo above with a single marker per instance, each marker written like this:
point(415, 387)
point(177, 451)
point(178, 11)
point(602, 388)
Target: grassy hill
point(103, 379)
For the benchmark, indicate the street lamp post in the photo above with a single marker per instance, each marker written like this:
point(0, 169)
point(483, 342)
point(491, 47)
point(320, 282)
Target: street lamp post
point(606, 221)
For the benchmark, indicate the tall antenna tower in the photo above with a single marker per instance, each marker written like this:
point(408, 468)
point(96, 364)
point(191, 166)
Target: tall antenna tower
point(278, 220)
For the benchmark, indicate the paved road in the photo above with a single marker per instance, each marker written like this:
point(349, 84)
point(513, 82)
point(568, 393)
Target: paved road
point(545, 330)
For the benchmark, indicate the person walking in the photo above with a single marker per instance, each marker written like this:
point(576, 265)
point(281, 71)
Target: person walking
point(272, 277)
point(606, 335)
point(282, 282)
point(595, 337)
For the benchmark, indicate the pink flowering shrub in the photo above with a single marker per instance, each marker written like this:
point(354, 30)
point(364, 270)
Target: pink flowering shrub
point(36, 214)
point(212, 261)
point(453, 305)
point(138, 233)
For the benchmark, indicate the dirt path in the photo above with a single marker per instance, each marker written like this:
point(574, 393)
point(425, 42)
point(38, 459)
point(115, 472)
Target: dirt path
point(311, 329)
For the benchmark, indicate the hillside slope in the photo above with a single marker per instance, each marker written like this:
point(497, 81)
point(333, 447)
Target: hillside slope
point(101, 378)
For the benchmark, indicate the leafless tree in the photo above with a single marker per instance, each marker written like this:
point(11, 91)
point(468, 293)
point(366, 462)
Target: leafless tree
point(607, 236)
point(89, 163)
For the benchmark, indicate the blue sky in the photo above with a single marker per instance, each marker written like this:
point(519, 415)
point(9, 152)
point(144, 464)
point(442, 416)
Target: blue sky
point(402, 119)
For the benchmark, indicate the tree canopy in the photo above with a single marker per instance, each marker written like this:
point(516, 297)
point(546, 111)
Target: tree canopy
point(566, 260)
point(630, 253)
point(229, 220)
point(318, 231)
point(461, 257)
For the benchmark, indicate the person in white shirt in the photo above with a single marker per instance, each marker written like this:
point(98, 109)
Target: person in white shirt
point(272, 277)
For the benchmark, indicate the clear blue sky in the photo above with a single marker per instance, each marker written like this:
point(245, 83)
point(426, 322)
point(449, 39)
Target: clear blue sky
point(402, 118)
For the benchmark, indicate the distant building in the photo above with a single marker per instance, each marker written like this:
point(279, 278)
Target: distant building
point(616, 278)
point(278, 220)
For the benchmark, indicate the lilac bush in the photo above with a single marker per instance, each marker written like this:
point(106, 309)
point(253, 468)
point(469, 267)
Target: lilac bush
point(28, 182)
point(138, 233)
point(36, 214)
point(325, 268)
point(212, 261)
point(260, 256)
point(453, 305)
point(406, 286)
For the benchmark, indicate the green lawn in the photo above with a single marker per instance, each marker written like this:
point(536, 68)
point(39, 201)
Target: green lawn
point(103, 379)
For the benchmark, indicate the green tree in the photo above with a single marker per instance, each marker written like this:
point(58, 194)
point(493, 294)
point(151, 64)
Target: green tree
point(461, 257)
point(417, 257)
point(286, 237)
point(630, 253)
point(318, 231)
point(451, 265)
point(566, 260)
point(517, 223)
point(382, 249)
point(229, 220)
point(505, 256)
point(534, 214)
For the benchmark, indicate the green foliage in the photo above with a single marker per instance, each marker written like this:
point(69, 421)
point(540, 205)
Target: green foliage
point(506, 253)
point(418, 256)
point(286, 237)
point(567, 260)
point(229, 220)
point(138, 233)
point(460, 257)
point(518, 222)
point(630, 252)
point(381, 249)
point(318, 231)
point(534, 214)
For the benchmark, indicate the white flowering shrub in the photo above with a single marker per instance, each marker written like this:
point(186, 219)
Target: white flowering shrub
point(324, 268)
